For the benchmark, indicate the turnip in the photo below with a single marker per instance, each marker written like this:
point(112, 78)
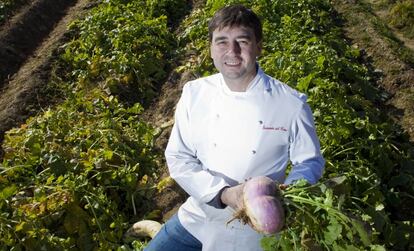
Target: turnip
point(144, 228)
point(265, 213)
point(262, 208)
point(258, 186)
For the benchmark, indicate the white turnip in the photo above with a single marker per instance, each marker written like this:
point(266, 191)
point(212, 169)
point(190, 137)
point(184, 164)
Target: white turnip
point(144, 228)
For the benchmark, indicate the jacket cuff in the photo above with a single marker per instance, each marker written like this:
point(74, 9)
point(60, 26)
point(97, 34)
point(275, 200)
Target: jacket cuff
point(216, 201)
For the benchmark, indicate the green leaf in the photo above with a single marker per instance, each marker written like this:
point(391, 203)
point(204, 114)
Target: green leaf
point(303, 83)
point(108, 154)
point(361, 232)
point(352, 248)
point(21, 226)
point(8, 191)
point(75, 220)
point(333, 233)
point(377, 248)
point(320, 61)
point(379, 206)
point(50, 179)
point(329, 197)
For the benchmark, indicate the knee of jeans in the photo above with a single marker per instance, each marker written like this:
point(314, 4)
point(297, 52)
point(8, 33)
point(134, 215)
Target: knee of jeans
point(178, 231)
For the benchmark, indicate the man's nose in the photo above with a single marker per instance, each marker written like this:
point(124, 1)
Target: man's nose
point(234, 47)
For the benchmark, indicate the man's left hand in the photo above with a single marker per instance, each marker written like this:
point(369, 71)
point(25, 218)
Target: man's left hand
point(233, 197)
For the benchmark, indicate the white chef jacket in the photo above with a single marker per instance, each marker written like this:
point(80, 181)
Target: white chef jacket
point(221, 137)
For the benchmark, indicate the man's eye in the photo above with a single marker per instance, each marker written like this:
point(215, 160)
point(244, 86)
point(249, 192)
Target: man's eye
point(243, 42)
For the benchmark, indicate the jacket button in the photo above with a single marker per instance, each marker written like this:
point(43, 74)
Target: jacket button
point(217, 115)
point(260, 122)
point(254, 152)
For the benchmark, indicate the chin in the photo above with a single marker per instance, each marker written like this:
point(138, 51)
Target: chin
point(232, 76)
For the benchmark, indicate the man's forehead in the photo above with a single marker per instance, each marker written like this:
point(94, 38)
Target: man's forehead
point(243, 30)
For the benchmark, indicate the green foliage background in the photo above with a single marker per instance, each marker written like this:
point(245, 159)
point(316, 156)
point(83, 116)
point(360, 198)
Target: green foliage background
point(77, 175)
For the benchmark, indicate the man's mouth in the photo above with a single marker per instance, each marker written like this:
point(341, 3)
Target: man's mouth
point(232, 63)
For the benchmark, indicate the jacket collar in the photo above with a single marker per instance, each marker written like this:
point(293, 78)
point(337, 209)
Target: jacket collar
point(259, 83)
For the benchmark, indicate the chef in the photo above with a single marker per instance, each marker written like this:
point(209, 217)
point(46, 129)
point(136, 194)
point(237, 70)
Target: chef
point(230, 126)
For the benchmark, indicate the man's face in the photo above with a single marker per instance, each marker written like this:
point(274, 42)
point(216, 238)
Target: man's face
point(234, 51)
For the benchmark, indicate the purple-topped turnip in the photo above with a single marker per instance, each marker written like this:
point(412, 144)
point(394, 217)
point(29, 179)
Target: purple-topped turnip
point(262, 207)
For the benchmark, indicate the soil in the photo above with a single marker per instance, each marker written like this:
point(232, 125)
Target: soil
point(161, 114)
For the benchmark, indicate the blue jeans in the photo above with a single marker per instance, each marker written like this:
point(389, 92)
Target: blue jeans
point(173, 237)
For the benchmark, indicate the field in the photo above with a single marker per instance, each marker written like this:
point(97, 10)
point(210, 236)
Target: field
point(87, 99)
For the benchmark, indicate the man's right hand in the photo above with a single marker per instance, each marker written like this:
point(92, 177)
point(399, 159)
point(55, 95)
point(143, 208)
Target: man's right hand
point(233, 197)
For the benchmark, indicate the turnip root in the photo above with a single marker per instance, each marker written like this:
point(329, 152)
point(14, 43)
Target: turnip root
point(262, 207)
point(144, 228)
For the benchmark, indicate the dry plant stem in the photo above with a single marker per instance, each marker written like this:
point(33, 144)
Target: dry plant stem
point(240, 215)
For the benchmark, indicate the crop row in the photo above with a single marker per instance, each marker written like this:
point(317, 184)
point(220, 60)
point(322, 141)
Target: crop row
point(77, 175)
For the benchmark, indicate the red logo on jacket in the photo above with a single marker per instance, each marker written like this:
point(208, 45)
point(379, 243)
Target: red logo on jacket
point(280, 128)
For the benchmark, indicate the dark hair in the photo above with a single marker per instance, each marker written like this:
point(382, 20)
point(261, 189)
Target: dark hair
point(235, 15)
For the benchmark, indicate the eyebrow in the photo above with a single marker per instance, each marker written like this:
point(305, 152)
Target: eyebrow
point(220, 38)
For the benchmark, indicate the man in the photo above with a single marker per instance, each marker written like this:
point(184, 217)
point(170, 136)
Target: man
point(231, 126)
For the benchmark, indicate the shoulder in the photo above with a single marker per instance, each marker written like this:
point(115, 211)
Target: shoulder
point(197, 94)
point(204, 83)
point(283, 91)
point(201, 87)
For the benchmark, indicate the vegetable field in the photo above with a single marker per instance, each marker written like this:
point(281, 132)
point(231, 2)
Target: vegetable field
point(77, 174)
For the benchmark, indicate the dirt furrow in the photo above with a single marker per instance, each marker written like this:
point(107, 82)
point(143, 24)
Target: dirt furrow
point(32, 60)
point(409, 43)
point(26, 30)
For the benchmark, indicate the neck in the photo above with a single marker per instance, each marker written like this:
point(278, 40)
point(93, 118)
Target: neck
point(237, 85)
point(242, 83)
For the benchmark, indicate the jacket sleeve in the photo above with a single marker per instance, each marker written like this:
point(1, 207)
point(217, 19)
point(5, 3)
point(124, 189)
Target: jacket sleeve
point(304, 151)
point(181, 156)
